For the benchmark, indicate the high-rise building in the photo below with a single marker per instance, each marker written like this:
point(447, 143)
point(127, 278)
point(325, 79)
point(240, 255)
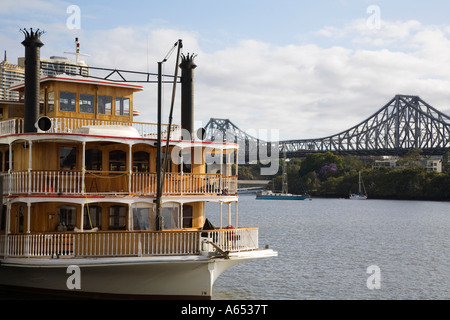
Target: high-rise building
point(59, 65)
point(9, 74)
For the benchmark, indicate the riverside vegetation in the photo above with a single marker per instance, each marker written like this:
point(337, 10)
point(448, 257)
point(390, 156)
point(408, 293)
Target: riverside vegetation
point(330, 175)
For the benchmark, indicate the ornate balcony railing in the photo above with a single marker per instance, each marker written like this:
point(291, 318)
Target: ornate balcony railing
point(130, 243)
point(113, 182)
point(67, 125)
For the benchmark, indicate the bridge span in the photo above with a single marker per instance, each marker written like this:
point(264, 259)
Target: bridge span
point(404, 123)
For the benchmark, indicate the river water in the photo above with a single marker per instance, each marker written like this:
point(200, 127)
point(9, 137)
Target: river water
point(325, 247)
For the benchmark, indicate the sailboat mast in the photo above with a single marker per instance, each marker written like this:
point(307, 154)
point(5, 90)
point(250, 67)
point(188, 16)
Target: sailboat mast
point(359, 181)
point(284, 186)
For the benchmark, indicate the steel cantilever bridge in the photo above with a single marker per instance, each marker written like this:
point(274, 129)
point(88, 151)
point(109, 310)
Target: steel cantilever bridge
point(404, 123)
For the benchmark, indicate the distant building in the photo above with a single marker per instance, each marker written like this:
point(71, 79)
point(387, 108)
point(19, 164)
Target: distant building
point(432, 164)
point(429, 164)
point(9, 74)
point(59, 65)
point(386, 163)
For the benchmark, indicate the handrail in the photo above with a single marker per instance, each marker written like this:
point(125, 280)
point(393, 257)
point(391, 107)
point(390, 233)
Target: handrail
point(67, 125)
point(127, 243)
point(117, 182)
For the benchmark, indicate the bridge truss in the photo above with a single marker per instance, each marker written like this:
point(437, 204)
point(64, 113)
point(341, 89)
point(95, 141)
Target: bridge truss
point(404, 123)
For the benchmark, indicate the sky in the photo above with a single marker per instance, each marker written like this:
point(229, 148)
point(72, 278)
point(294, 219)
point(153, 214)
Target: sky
point(300, 69)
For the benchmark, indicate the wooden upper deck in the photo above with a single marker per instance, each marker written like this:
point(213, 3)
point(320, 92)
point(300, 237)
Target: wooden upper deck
point(96, 159)
point(78, 97)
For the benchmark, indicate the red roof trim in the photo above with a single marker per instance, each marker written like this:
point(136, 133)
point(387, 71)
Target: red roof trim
point(117, 137)
point(117, 84)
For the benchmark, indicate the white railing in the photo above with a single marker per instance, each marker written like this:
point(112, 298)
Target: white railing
point(11, 126)
point(71, 182)
point(132, 243)
point(67, 125)
point(231, 239)
point(184, 183)
point(43, 182)
point(170, 243)
point(3, 244)
point(39, 245)
point(105, 244)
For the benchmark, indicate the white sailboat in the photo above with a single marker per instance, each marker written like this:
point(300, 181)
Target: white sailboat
point(284, 195)
point(360, 195)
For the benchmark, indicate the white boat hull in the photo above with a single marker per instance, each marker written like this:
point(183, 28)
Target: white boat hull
point(182, 277)
point(357, 197)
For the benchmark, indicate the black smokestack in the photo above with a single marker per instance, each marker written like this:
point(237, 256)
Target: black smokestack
point(187, 66)
point(33, 46)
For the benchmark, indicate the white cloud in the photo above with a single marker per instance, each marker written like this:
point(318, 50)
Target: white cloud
point(395, 34)
point(309, 91)
point(305, 91)
point(139, 49)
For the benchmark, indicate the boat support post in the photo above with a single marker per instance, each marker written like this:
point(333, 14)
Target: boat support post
point(159, 222)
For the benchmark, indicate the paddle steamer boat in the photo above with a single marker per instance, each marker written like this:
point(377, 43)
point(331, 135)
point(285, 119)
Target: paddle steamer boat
point(80, 213)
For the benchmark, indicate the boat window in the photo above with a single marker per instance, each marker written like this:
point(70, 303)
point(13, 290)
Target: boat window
point(3, 218)
point(122, 106)
point(186, 158)
point(141, 161)
point(104, 104)
point(67, 101)
point(67, 217)
point(126, 106)
point(169, 161)
point(21, 218)
point(170, 213)
point(92, 217)
point(186, 168)
point(67, 158)
point(7, 161)
point(50, 101)
point(141, 218)
point(93, 159)
point(87, 103)
point(117, 160)
point(187, 216)
point(41, 102)
point(117, 218)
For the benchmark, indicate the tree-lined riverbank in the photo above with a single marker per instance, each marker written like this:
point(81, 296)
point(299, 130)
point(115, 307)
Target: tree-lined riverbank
point(330, 175)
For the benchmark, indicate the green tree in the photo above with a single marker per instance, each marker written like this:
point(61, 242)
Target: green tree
point(310, 181)
point(318, 163)
point(411, 159)
point(352, 164)
point(446, 162)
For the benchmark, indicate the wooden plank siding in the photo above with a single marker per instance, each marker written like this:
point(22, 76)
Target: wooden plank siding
point(44, 216)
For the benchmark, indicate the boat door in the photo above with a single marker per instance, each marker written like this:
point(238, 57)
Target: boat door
point(18, 218)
